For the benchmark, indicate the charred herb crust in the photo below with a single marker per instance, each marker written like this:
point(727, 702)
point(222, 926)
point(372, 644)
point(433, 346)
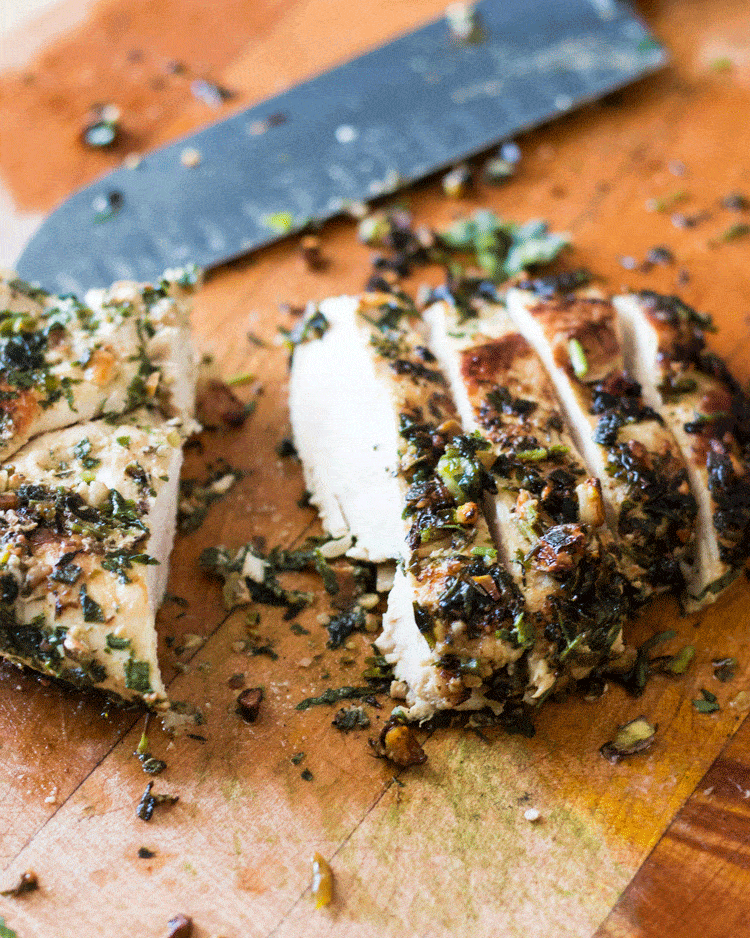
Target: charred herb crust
point(722, 432)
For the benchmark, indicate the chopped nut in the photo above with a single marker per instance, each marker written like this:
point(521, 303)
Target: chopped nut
point(398, 743)
point(468, 513)
point(218, 406)
point(310, 250)
point(248, 704)
point(632, 737)
point(322, 881)
point(181, 926)
point(456, 183)
point(27, 883)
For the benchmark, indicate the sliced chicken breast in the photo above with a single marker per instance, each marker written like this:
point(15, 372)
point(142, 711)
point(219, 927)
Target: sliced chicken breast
point(87, 521)
point(625, 443)
point(546, 514)
point(708, 414)
point(63, 361)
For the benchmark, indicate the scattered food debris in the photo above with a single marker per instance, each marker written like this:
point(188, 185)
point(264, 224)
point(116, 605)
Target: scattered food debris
point(738, 230)
point(102, 127)
point(464, 22)
point(399, 745)
point(722, 64)
point(457, 182)
point(311, 254)
point(218, 407)
point(635, 736)
point(27, 883)
point(660, 255)
point(107, 206)
point(724, 669)
point(635, 671)
point(190, 157)
point(322, 881)
point(248, 703)
point(736, 202)
point(209, 93)
point(499, 168)
point(145, 854)
point(148, 803)
point(285, 448)
point(333, 695)
point(532, 815)
point(707, 702)
point(181, 926)
point(198, 495)
point(740, 701)
point(350, 718)
point(667, 202)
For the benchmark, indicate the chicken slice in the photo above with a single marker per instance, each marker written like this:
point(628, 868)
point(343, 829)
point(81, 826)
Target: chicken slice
point(454, 628)
point(710, 418)
point(547, 516)
point(87, 520)
point(63, 361)
point(625, 443)
point(345, 435)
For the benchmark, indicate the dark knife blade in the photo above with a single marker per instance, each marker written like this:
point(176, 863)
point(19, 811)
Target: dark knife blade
point(366, 128)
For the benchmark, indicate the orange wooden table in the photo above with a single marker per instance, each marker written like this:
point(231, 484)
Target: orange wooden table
point(656, 845)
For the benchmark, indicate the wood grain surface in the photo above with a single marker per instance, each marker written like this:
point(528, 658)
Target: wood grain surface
point(656, 845)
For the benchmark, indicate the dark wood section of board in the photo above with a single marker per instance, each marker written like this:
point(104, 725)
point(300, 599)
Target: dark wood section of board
point(696, 882)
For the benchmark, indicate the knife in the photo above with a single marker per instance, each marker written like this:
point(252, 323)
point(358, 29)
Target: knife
point(420, 103)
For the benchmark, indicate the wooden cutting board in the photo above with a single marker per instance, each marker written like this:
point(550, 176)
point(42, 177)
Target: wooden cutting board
point(657, 845)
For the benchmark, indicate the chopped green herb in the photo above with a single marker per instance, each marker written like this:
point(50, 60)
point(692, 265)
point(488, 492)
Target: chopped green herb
point(707, 703)
point(340, 627)
point(667, 202)
point(92, 611)
point(350, 718)
point(67, 573)
point(679, 663)
point(237, 381)
point(297, 758)
point(483, 551)
point(82, 450)
point(298, 629)
point(6, 932)
point(138, 675)
point(117, 643)
point(334, 695)
point(306, 774)
point(577, 358)
point(280, 221)
point(732, 233)
point(722, 64)
point(124, 441)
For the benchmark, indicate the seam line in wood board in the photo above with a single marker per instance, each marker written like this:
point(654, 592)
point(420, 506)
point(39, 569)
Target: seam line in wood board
point(120, 739)
point(675, 817)
point(386, 788)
